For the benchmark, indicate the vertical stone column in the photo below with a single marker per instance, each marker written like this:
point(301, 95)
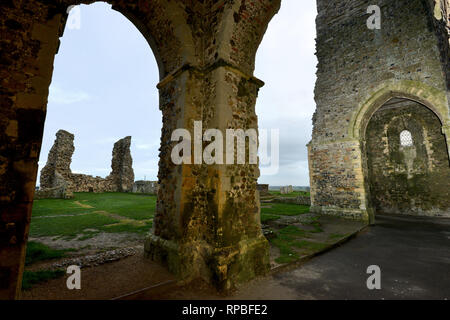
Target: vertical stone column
point(59, 160)
point(29, 44)
point(208, 219)
point(122, 174)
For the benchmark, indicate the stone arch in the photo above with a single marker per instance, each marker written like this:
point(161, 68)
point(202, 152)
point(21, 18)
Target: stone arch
point(166, 31)
point(428, 96)
point(240, 32)
point(34, 29)
point(192, 234)
point(410, 178)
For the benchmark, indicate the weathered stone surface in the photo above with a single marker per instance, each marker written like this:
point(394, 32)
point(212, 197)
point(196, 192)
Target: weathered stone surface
point(207, 220)
point(359, 71)
point(409, 179)
point(122, 174)
point(300, 200)
point(263, 189)
point(57, 179)
point(57, 169)
point(149, 187)
point(287, 190)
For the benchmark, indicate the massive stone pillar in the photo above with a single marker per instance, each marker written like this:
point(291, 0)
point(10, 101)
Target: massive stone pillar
point(29, 41)
point(207, 223)
point(360, 69)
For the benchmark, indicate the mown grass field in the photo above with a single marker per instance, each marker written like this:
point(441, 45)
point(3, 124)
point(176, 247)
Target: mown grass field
point(88, 214)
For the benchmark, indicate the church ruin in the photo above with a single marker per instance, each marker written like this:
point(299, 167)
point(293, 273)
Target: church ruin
point(58, 181)
point(373, 85)
point(207, 222)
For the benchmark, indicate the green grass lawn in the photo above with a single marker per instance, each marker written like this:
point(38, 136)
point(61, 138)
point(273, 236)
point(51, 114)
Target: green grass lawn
point(88, 214)
point(135, 206)
point(291, 243)
point(276, 210)
point(31, 278)
point(39, 252)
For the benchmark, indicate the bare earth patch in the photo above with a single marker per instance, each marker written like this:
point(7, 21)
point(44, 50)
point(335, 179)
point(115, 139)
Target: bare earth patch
point(86, 206)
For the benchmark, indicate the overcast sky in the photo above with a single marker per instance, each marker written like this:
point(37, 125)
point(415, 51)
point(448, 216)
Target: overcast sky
point(104, 88)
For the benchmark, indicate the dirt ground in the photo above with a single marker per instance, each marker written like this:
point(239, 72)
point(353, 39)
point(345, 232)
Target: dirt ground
point(133, 273)
point(104, 282)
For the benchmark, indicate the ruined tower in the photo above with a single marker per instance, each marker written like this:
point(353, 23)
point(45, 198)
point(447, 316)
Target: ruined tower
point(122, 174)
point(207, 222)
point(375, 88)
point(57, 179)
point(59, 159)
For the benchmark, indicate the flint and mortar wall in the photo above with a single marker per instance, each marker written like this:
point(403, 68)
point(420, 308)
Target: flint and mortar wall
point(408, 179)
point(57, 175)
point(356, 63)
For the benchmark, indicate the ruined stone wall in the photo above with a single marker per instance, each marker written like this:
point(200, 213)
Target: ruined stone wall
point(56, 172)
point(263, 189)
point(122, 174)
point(409, 179)
point(57, 175)
point(441, 13)
point(207, 221)
point(359, 69)
point(148, 187)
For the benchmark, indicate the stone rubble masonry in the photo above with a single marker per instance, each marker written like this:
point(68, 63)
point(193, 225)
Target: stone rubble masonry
point(263, 189)
point(148, 187)
point(415, 179)
point(300, 200)
point(360, 70)
point(287, 190)
point(58, 181)
point(207, 222)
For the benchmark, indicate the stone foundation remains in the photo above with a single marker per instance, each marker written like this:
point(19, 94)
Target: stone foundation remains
point(287, 190)
point(58, 181)
point(148, 187)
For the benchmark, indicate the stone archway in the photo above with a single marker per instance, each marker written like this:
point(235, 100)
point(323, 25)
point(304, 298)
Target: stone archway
point(433, 99)
point(205, 53)
point(406, 160)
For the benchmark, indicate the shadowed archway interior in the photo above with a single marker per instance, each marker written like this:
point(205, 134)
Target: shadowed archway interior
point(408, 168)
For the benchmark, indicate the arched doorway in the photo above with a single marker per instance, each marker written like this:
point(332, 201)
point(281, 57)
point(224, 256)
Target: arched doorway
point(99, 93)
point(202, 78)
point(407, 160)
